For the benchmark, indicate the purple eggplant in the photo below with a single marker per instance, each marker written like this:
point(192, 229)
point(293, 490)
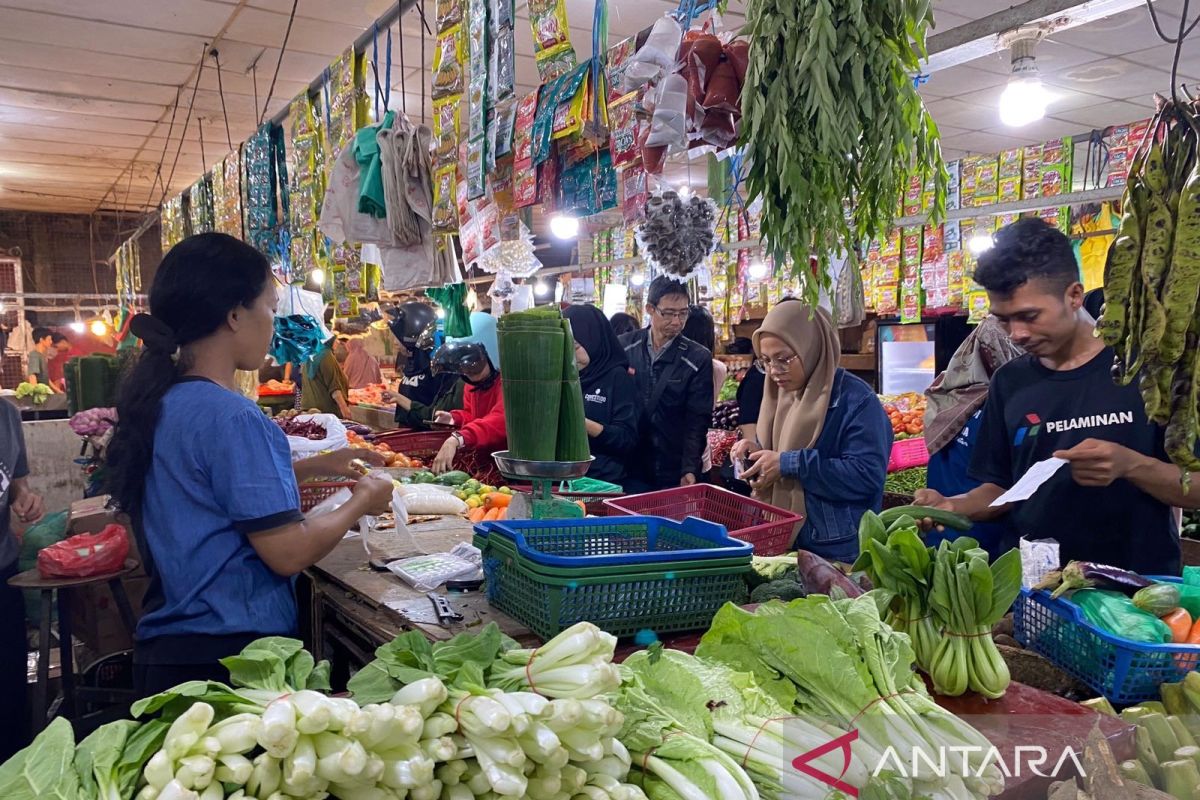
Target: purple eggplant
point(820, 577)
point(1089, 575)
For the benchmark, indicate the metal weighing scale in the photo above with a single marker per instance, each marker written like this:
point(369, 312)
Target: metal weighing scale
point(540, 502)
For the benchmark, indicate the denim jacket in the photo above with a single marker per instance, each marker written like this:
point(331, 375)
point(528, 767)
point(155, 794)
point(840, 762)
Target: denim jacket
point(843, 475)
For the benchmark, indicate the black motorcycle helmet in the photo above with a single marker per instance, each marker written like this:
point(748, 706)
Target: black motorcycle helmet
point(460, 358)
point(414, 325)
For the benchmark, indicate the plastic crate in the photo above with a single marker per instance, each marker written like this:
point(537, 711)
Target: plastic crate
point(663, 601)
point(425, 445)
point(504, 545)
point(769, 529)
point(1124, 671)
point(585, 544)
point(908, 453)
point(314, 492)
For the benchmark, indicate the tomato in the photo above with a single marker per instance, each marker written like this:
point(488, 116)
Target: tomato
point(913, 429)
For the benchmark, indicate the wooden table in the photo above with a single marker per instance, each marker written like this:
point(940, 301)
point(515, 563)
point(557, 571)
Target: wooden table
point(61, 588)
point(351, 608)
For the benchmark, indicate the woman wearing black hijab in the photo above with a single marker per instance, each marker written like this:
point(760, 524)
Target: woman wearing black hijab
point(610, 400)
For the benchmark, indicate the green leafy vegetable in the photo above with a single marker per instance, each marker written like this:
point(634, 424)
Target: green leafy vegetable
point(45, 770)
point(831, 117)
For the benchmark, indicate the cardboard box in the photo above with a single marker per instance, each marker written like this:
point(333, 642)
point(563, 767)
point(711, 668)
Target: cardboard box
point(95, 620)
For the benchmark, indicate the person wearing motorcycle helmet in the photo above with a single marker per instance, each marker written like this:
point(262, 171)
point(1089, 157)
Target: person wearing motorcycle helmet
point(414, 324)
point(480, 422)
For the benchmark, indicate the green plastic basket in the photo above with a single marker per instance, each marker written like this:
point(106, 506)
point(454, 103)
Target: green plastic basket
point(506, 547)
point(664, 601)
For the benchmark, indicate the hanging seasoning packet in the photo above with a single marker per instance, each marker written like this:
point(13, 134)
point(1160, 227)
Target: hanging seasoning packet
point(623, 141)
point(556, 62)
point(476, 174)
point(445, 204)
point(504, 66)
point(504, 115)
point(449, 14)
point(569, 113)
point(448, 60)
point(445, 130)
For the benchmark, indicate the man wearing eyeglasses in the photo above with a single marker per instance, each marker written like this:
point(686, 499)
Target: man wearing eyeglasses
point(675, 381)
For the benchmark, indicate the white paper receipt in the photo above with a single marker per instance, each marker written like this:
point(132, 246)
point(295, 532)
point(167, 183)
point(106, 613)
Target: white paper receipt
point(1038, 474)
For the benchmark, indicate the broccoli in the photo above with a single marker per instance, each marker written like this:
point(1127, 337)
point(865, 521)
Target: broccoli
point(782, 589)
point(771, 568)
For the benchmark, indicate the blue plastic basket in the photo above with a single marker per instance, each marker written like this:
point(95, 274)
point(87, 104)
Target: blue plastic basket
point(1124, 671)
point(617, 541)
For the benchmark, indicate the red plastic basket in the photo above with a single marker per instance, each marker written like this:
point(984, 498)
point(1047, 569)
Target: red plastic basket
point(425, 445)
point(908, 453)
point(312, 493)
point(770, 529)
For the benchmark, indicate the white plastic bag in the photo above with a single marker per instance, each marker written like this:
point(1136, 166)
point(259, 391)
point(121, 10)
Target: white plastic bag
point(657, 55)
point(668, 126)
point(426, 573)
point(335, 436)
point(423, 499)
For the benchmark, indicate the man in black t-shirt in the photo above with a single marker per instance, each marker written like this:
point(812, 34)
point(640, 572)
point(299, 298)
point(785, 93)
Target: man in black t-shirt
point(1112, 502)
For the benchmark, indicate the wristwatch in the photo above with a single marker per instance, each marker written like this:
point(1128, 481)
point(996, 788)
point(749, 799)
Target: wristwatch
point(456, 436)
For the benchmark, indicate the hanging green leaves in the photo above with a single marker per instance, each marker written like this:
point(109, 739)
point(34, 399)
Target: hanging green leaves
point(832, 123)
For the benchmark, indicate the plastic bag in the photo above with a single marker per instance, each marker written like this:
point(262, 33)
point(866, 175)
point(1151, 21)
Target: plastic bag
point(1115, 613)
point(426, 573)
point(656, 55)
point(85, 555)
point(335, 436)
point(422, 499)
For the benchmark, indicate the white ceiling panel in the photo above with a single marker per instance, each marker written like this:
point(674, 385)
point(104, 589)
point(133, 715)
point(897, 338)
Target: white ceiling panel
point(100, 37)
point(196, 17)
point(1114, 112)
point(32, 79)
point(80, 122)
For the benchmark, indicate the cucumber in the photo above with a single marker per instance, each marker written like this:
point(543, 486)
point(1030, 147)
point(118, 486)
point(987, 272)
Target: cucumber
point(947, 519)
point(453, 478)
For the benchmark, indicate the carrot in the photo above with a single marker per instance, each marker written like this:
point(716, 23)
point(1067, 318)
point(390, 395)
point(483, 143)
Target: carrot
point(497, 500)
point(1180, 623)
point(491, 514)
point(476, 514)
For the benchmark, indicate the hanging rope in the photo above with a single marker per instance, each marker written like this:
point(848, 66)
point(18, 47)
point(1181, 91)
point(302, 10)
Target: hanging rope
point(163, 157)
point(424, 33)
point(403, 71)
point(383, 86)
point(183, 135)
point(254, 77)
point(279, 63)
point(203, 155)
point(221, 91)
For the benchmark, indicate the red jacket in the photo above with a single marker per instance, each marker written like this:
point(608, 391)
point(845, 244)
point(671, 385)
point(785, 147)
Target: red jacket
point(481, 419)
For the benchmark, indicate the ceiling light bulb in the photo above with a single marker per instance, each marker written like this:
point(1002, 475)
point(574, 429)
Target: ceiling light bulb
point(638, 279)
point(77, 327)
point(980, 243)
point(758, 270)
point(99, 328)
point(541, 289)
point(685, 191)
point(318, 276)
point(1024, 98)
point(564, 227)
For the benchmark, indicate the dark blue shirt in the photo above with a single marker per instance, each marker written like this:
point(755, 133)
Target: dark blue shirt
point(948, 475)
point(843, 475)
point(221, 472)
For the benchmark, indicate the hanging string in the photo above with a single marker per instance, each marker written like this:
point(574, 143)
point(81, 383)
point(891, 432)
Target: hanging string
point(383, 85)
point(403, 76)
point(279, 63)
point(424, 33)
point(203, 155)
point(254, 77)
point(221, 91)
point(183, 135)
point(163, 157)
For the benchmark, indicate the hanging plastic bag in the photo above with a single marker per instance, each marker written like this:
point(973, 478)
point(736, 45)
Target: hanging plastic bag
point(85, 555)
point(1115, 613)
point(656, 55)
point(668, 126)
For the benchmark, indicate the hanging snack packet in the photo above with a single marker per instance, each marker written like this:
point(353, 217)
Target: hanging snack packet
point(445, 130)
point(449, 14)
point(504, 115)
point(524, 184)
point(445, 206)
point(504, 67)
point(448, 60)
point(548, 20)
point(623, 138)
point(556, 62)
point(523, 128)
point(618, 61)
point(475, 167)
point(633, 194)
point(569, 111)
point(477, 108)
point(501, 13)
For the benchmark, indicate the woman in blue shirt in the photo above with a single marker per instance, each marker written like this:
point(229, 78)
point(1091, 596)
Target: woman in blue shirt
point(823, 436)
point(206, 478)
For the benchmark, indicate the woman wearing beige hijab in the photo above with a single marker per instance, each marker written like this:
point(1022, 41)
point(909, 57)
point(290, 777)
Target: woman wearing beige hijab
point(823, 436)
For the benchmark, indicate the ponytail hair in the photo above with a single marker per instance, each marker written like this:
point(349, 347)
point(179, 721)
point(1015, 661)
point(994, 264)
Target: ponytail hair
point(199, 281)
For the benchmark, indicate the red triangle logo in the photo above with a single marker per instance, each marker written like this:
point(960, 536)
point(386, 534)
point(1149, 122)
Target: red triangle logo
point(843, 742)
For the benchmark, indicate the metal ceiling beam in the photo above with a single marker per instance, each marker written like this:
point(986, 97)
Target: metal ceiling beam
point(981, 37)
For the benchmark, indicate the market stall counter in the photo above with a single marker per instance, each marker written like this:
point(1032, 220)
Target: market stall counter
point(353, 608)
